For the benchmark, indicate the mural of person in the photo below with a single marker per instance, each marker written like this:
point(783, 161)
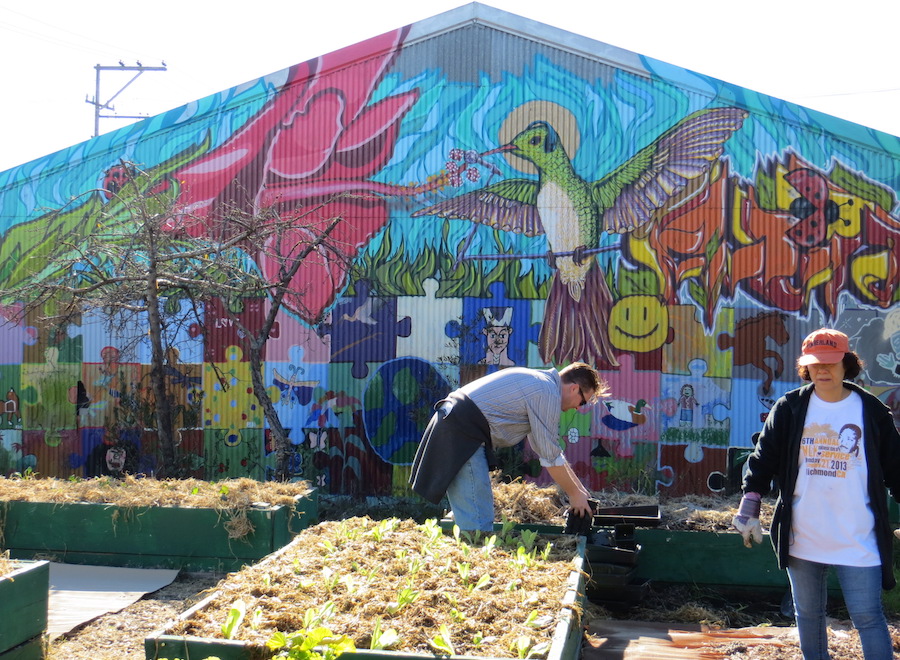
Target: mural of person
point(11, 408)
point(891, 361)
point(497, 334)
point(686, 404)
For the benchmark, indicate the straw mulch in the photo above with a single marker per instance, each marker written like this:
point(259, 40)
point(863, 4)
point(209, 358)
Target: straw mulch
point(233, 498)
point(523, 502)
point(131, 491)
point(351, 575)
point(7, 565)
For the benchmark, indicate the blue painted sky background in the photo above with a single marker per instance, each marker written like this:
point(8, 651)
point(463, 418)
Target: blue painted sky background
point(799, 51)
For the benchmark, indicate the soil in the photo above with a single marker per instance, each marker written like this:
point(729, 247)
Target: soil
point(120, 635)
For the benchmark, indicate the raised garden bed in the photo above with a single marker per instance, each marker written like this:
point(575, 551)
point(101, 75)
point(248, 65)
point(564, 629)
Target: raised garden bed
point(23, 609)
point(425, 584)
point(224, 535)
point(709, 558)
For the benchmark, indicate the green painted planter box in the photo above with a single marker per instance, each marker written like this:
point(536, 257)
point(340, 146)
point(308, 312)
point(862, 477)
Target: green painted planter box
point(565, 643)
point(23, 609)
point(688, 557)
point(33, 649)
point(192, 539)
point(692, 557)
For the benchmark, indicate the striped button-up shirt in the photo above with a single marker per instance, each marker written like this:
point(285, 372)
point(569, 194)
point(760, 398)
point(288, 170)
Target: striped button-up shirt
point(519, 402)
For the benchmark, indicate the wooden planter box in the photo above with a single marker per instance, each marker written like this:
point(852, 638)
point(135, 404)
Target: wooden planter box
point(23, 610)
point(192, 539)
point(687, 557)
point(692, 557)
point(565, 642)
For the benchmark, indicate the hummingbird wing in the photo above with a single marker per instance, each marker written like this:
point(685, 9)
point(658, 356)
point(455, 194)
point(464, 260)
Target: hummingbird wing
point(509, 205)
point(633, 193)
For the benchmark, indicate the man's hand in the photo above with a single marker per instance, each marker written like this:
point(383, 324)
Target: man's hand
point(747, 519)
point(580, 523)
point(579, 505)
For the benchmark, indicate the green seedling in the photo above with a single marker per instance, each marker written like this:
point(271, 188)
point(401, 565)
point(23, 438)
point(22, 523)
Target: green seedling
point(442, 642)
point(514, 585)
point(536, 621)
point(317, 617)
point(545, 553)
point(234, 619)
point(331, 578)
point(528, 538)
point(482, 582)
point(316, 644)
point(256, 619)
point(383, 639)
point(478, 640)
point(489, 544)
point(523, 558)
point(383, 528)
point(432, 530)
point(404, 598)
point(415, 565)
point(521, 647)
point(507, 527)
point(349, 584)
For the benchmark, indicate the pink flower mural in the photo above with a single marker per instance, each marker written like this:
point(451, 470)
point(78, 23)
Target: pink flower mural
point(320, 142)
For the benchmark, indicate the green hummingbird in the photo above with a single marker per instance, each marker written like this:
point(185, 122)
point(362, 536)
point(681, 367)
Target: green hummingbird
point(572, 213)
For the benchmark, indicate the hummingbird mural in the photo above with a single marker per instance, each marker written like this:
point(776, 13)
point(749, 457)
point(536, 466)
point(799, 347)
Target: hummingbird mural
point(572, 213)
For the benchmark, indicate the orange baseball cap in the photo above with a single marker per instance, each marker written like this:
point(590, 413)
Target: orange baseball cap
point(824, 346)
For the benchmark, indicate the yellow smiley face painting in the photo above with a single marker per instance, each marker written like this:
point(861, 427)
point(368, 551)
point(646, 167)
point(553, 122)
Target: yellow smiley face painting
point(639, 324)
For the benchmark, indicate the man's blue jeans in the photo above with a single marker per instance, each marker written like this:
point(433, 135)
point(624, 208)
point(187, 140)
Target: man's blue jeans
point(861, 587)
point(470, 495)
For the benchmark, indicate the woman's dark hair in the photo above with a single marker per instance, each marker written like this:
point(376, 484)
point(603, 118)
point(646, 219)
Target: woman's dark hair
point(853, 366)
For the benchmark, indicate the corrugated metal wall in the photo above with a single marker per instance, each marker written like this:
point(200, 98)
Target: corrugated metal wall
point(789, 226)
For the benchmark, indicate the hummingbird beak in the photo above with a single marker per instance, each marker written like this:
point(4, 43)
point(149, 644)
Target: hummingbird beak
point(500, 150)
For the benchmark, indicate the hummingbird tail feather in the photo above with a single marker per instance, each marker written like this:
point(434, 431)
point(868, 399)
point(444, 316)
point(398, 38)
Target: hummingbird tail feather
point(577, 330)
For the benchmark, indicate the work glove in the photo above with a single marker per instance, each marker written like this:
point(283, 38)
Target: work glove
point(747, 519)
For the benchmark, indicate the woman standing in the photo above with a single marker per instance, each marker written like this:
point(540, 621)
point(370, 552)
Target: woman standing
point(831, 508)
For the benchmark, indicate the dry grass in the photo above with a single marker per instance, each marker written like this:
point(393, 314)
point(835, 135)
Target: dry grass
point(355, 569)
point(231, 497)
point(142, 492)
point(525, 503)
point(7, 565)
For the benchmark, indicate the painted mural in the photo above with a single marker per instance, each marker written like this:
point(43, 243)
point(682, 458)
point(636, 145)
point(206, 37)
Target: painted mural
point(533, 209)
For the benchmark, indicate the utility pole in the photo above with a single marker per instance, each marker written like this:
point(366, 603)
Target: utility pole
point(100, 105)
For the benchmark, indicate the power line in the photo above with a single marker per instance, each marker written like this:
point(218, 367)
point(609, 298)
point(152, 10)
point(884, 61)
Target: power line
point(83, 43)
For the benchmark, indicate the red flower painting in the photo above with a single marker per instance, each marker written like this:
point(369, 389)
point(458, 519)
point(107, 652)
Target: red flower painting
point(316, 140)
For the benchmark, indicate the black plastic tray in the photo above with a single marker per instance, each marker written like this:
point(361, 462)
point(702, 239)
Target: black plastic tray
point(642, 516)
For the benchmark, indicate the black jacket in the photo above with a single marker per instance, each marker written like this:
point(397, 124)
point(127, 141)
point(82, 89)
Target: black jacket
point(777, 457)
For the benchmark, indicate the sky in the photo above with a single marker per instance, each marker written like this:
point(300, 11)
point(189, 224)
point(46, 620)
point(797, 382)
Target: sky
point(843, 63)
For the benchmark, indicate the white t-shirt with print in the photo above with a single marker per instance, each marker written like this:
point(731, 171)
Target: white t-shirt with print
point(832, 522)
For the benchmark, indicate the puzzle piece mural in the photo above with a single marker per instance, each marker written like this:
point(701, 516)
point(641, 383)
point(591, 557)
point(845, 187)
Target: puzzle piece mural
point(559, 209)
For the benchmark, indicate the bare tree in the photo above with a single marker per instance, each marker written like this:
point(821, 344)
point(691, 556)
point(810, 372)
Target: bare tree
point(127, 259)
point(277, 239)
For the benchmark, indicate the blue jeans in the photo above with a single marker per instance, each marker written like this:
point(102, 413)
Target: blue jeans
point(471, 497)
point(861, 587)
